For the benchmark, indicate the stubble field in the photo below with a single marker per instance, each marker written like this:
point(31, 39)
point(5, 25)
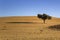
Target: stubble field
point(29, 28)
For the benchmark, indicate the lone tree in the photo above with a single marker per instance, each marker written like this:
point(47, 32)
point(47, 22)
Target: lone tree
point(44, 17)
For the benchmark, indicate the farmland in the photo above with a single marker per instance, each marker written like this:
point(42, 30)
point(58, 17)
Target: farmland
point(28, 28)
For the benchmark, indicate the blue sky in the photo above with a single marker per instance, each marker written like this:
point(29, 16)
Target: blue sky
point(29, 7)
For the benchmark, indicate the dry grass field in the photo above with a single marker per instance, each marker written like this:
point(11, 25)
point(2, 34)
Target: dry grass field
point(29, 28)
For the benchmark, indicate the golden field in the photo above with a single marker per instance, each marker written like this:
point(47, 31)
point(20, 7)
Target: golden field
point(29, 28)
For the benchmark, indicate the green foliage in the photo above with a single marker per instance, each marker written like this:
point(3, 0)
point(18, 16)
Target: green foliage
point(44, 17)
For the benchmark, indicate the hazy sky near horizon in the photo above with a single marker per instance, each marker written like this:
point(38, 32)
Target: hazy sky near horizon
point(29, 7)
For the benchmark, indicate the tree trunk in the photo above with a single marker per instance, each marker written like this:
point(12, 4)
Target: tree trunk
point(44, 21)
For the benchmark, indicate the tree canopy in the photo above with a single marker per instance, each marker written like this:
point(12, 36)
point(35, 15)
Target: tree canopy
point(44, 17)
